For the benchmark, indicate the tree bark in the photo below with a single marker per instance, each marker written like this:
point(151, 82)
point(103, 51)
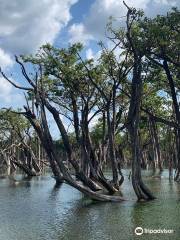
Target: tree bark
point(177, 113)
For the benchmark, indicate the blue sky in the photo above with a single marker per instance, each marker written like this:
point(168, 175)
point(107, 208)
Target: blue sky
point(27, 24)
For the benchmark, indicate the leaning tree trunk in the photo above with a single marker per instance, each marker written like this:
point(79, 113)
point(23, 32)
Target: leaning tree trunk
point(91, 157)
point(58, 166)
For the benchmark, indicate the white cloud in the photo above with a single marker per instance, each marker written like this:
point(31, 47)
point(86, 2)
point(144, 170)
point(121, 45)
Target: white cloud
point(5, 59)
point(27, 24)
point(9, 96)
point(89, 53)
point(5, 90)
point(94, 24)
point(24, 26)
point(78, 33)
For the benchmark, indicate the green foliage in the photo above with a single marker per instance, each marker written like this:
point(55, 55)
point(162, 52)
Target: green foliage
point(66, 76)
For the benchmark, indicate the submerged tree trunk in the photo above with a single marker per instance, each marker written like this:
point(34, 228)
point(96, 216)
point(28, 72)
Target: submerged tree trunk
point(142, 192)
point(177, 114)
point(58, 166)
point(112, 153)
point(155, 141)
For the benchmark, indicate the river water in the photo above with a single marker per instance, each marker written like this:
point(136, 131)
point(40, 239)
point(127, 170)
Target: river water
point(35, 210)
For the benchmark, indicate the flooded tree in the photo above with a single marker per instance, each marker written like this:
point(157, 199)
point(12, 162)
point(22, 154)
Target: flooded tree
point(113, 106)
point(18, 147)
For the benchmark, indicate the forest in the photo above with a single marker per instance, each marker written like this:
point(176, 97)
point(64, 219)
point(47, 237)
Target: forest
point(119, 111)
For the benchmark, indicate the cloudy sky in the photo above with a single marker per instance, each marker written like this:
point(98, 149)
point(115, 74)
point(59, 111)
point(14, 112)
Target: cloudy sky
point(27, 24)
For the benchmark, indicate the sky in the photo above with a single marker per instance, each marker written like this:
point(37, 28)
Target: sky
point(27, 24)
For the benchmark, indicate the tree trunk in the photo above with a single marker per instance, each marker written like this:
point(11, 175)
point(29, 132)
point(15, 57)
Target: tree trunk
point(112, 152)
point(155, 141)
point(142, 192)
point(177, 114)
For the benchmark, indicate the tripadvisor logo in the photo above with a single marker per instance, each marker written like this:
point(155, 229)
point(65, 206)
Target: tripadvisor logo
point(139, 231)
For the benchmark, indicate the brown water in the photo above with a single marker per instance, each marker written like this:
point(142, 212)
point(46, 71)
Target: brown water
point(35, 210)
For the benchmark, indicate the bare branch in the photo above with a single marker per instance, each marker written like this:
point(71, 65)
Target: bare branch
point(25, 73)
point(14, 84)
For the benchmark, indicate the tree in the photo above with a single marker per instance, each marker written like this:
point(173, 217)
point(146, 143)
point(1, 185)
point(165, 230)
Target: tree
point(16, 143)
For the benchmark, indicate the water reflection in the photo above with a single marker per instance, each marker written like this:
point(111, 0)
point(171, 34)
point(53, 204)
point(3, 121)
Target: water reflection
point(37, 209)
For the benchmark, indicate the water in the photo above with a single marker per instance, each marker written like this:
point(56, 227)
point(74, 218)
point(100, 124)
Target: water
point(35, 210)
